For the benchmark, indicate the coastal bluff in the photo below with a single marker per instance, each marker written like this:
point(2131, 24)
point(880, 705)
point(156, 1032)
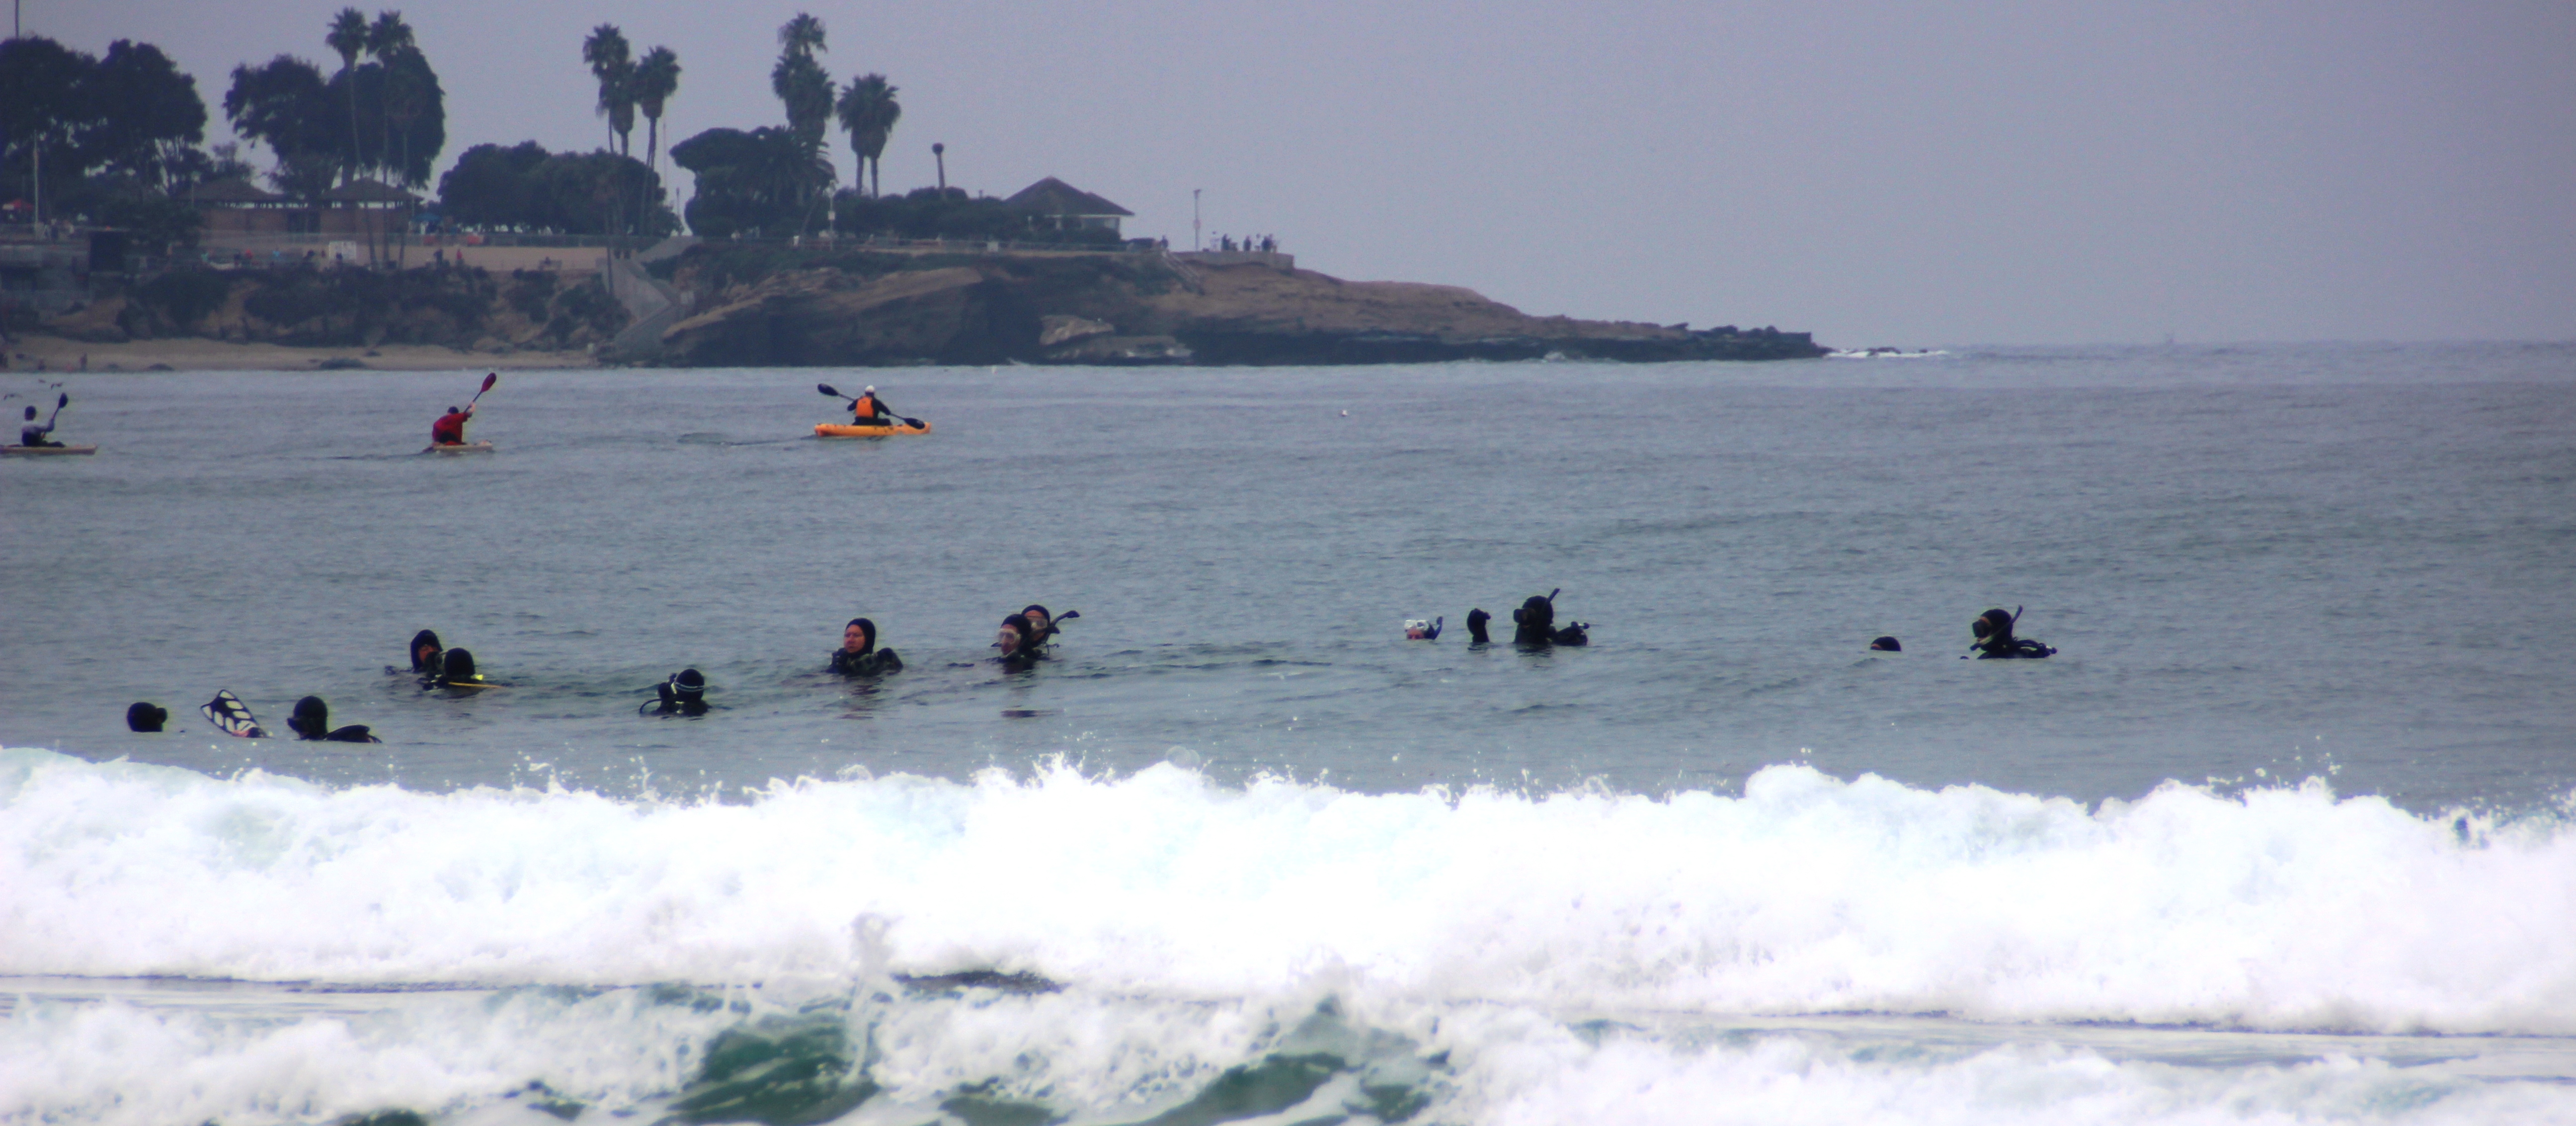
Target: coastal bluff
point(772, 307)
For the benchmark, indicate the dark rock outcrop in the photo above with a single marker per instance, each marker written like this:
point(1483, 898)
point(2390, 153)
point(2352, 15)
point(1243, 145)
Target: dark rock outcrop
point(874, 308)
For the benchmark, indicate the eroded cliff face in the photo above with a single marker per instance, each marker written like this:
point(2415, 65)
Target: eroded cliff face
point(863, 309)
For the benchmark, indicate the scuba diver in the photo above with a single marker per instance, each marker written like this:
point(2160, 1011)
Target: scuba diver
point(456, 670)
point(868, 410)
point(1042, 627)
point(684, 694)
point(1415, 629)
point(1994, 630)
point(1476, 620)
point(312, 723)
point(425, 656)
point(145, 716)
point(859, 655)
point(34, 432)
point(449, 430)
point(1013, 641)
point(1535, 624)
point(1885, 644)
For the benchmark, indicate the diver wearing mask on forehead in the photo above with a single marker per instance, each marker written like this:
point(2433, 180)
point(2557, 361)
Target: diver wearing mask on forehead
point(1995, 640)
point(684, 694)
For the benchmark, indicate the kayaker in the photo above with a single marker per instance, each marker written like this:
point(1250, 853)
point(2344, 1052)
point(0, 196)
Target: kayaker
point(684, 694)
point(1994, 633)
point(1535, 624)
point(859, 655)
point(312, 723)
point(868, 410)
point(33, 433)
point(449, 430)
point(146, 716)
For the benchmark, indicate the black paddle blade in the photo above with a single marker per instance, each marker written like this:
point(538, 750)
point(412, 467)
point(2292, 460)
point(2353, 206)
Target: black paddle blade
point(62, 400)
point(489, 380)
point(827, 389)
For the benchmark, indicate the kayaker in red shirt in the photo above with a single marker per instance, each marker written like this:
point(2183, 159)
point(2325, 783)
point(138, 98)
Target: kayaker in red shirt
point(449, 430)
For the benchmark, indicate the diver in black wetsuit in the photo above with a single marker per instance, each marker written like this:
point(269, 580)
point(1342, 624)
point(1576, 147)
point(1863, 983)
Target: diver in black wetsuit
point(312, 722)
point(1885, 644)
point(1013, 641)
point(1994, 630)
point(146, 716)
point(1535, 624)
point(1476, 620)
point(456, 670)
point(859, 655)
point(684, 694)
point(425, 650)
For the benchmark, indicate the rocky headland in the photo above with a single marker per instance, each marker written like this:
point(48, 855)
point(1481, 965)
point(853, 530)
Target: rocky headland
point(755, 306)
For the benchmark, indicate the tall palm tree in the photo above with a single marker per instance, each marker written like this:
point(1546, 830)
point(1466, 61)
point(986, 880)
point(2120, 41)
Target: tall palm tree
point(386, 38)
point(348, 36)
point(657, 77)
point(606, 52)
point(868, 112)
point(802, 35)
point(799, 81)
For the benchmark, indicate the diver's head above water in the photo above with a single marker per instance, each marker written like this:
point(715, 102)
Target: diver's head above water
point(458, 667)
point(1013, 636)
point(1994, 627)
point(145, 716)
point(859, 636)
point(1038, 618)
point(424, 652)
point(312, 718)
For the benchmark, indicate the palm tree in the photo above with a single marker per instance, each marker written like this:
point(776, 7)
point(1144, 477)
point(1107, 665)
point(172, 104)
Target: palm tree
point(868, 112)
point(799, 81)
point(348, 36)
point(606, 52)
point(657, 77)
point(387, 37)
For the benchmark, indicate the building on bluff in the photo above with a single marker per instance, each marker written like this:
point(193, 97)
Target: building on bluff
point(1053, 205)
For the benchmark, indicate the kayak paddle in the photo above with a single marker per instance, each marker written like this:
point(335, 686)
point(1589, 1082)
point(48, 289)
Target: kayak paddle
point(60, 401)
point(488, 381)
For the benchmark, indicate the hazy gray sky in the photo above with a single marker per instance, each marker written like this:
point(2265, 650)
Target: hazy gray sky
point(1906, 174)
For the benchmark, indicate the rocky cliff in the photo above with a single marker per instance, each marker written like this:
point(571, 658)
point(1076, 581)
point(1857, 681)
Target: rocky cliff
point(765, 307)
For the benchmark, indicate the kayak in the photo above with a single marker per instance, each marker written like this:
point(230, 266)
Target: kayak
point(845, 430)
point(33, 451)
point(470, 448)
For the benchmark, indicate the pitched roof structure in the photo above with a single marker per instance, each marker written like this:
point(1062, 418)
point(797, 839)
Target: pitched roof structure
point(233, 191)
point(1052, 196)
point(369, 191)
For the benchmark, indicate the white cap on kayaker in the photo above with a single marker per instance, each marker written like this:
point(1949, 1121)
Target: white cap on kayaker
point(869, 391)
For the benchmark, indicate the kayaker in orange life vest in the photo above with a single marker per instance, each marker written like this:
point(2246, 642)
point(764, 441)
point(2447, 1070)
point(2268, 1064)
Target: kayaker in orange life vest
point(868, 410)
point(449, 430)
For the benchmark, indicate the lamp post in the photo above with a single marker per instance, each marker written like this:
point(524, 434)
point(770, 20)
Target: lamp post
point(939, 152)
point(1194, 218)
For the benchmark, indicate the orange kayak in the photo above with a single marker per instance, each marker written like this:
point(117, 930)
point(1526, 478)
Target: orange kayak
point(845, 430)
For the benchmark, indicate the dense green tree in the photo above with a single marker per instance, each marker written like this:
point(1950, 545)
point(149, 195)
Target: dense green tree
point(657, 77)
point(46, 117)
point(607, 55)
point(927, 213)
point(758, 182)
point(150, 117)
point(597, 194)
point(490, 187)
point(868, 112)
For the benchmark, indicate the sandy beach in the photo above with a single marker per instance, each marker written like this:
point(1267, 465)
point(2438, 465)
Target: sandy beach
point(33, 351)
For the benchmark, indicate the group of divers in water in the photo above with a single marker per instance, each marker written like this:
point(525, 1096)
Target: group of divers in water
point(1021, 642)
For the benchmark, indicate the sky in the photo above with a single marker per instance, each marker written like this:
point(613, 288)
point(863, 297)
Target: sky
point(1919, 174)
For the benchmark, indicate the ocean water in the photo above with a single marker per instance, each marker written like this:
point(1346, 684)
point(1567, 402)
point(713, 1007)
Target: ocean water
point(2282, 835)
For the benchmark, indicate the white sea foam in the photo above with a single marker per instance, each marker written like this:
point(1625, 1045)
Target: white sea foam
point(2283, 909)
